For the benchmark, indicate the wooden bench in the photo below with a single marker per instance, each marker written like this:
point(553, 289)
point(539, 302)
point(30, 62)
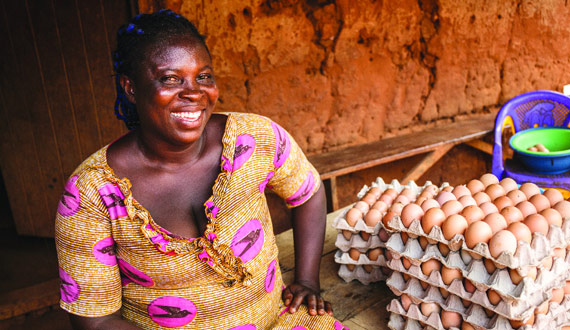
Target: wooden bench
point(435, 142)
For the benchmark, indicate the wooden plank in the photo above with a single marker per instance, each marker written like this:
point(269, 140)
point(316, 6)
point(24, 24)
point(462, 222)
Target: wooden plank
point(426, 163)
point(354, 158)
point(32, 298)
point(481, 145)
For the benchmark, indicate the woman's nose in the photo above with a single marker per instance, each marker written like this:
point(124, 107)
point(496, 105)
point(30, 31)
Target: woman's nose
point(191, 91)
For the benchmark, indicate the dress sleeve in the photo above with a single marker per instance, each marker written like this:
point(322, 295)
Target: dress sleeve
point(90, 278)
point(294, 179)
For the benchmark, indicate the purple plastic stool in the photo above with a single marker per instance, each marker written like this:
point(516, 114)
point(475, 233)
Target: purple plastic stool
point(528, 110)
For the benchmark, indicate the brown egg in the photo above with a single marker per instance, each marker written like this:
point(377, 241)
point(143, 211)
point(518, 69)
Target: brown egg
point(449, 274)
point(461, 190)
point(387, 217)
point(477, 232)
point(451, 319)
point(567, 288)
point(516, 278)
point(488, 179)
point(384, 235)
point(475, 186)
point(423, 242)
point(406, 301)
point(444, 196)
point(467, 200)
point(559, 253)
point(405, 237)
point(554, 196)
point(376, 191)
point(430, 265)
point(390, 192)
point(503, 241)
point(386, 271)
point(407, 263)
point(536, 223)
point(368, 268)
point(429, 307)
point(362, 206)
point(516, 196)
point(347, 234)
point(512, 214)
point(402, 199)
point(443, 249)
point(542, 308)
point(496, 221)
point(509, 184)
point(466, 304)
point(547, 263)
point(488, 208)
point(540, 202)
point(410, 213)
point(447, 188)
point(429, 203)
point(453, 225)
point(526, 208)
point(490, 266)
point(529, 189)
point(432, 217)
point(386, 199)
point(365, 236)
point(468, 285)
point(424, 285)
point(503, 201)
point(372, 217)
point(557, 295)
point(563, 207)
point(451, 207)
point(552, 217)
point(430, 191)
point(494, 297)
point(521, 231)
point(373, 254)
point(397, 207)
point(481, 197)
point(354, 254)
point(495, 191)
point(380, 206)
point(370, 199)
point(410, 195)
point(517, 324)
point(390, 256)
point(420, 200)
point(444, 293)
point(472, 213)
point(352, 216)
point(465, 325)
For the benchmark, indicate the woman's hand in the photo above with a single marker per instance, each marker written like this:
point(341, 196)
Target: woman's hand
point(297, 293)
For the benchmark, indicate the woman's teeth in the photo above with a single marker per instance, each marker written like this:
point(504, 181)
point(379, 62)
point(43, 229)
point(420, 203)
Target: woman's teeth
point(188, 115)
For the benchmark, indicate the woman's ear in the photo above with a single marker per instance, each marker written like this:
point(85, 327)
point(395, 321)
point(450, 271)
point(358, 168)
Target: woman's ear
point(128, 88)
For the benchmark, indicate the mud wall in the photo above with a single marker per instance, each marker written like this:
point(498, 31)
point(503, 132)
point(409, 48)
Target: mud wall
point(343, 72)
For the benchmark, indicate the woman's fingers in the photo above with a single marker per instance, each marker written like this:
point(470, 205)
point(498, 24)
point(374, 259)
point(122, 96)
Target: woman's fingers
point(320, 306)
point(296, 302)
point(328, 308)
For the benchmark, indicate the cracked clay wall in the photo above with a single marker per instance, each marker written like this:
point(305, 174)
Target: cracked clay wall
point(337, 73)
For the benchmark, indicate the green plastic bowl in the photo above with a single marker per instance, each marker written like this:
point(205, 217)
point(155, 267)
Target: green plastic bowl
point(555, 139)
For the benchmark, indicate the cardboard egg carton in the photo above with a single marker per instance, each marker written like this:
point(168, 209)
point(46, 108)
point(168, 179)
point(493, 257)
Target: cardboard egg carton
point(557, 316)
point(341, 257)
point(532, 254)
point(361, 275)
point(527, 291)
point(356, 241)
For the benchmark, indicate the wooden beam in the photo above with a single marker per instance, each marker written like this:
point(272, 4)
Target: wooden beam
point(425, 164)
point(29, 299)
point(481, 145)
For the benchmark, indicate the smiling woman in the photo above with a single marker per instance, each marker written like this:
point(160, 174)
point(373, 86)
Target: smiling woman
point(169, 226)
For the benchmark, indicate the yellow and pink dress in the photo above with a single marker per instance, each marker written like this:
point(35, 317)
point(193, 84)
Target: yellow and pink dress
point(112, 255)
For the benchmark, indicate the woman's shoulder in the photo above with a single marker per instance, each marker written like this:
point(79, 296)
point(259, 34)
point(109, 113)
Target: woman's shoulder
point(251, 123)
point(93, 167)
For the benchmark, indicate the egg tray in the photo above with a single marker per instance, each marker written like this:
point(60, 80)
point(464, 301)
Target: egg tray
point(526, 254)
point(361, 275)
point(396, 185)
point(557, 316)
point(357, 242)
point(453, 302)
point(475, 271)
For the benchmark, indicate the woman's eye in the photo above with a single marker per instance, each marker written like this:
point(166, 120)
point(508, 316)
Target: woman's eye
point(206, 78)
point(170, 79)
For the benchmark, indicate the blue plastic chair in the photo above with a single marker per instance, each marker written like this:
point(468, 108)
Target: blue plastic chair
point(529, 110)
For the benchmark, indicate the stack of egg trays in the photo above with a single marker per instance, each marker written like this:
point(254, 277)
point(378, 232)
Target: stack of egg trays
point(356, 241)
point(518, 301)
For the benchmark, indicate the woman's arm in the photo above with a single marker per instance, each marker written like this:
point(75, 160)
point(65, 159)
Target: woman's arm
point(112, 321)
point(309, 221)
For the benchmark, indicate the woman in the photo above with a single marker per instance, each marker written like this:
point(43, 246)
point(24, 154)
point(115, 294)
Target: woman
point(168, 226)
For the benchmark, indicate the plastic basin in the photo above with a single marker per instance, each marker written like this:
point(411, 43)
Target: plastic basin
point(555, 139)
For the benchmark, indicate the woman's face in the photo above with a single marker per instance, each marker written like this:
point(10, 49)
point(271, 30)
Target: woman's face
point(174, 90)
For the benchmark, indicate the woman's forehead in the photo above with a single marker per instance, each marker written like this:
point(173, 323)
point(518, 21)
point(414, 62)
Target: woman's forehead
point(174, 49)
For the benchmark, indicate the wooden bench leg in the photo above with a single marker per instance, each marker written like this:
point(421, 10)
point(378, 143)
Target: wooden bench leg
point(331, 192)
point(431, 158)
point(481, 145)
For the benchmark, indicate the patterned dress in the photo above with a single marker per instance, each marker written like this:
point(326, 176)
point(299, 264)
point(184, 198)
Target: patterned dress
point(112, 255)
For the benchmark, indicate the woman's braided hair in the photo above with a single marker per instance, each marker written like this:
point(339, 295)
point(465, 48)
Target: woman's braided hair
point(132, 38)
